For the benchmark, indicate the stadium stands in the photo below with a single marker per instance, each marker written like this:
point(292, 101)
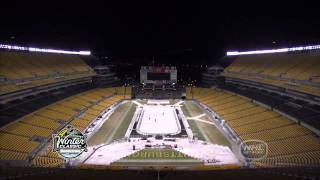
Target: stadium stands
point(27, 138)
point(19, 70)
point(17, 143)
point(289, 143)
point(296, 71)
point(12, 155)
point(43, 161)
point(21, 139)
point(306, 113)
point(165, 172)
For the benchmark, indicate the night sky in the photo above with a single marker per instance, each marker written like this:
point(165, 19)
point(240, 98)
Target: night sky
point(174, 33)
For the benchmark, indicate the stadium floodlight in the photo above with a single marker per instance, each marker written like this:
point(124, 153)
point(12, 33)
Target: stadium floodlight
point(33, 49)
point(268, 51)
point(5, 46)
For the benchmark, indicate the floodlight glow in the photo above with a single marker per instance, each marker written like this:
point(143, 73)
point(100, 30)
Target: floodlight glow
point(4, 46)
point(268, 51)
point(32, 49)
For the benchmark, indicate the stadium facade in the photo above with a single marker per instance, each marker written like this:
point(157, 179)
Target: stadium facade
point(263, 100)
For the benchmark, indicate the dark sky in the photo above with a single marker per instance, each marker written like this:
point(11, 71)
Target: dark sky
point(181, 30)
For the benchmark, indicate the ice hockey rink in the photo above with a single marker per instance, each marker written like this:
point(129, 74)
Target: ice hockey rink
point(159, 119)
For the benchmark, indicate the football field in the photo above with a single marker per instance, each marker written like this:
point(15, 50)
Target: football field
point(152, 118)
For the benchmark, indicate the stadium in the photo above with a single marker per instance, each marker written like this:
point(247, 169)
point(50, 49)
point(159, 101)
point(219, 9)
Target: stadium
point(65, 114)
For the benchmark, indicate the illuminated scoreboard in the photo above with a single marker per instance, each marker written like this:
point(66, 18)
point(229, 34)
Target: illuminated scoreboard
point(158, 74)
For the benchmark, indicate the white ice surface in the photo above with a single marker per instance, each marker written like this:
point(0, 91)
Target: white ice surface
point(158, 119)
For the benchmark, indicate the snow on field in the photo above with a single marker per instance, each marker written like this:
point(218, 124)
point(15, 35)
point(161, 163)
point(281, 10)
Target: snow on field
point(113, 152)
point(208, 153)
point(158, 119)
point(158, 102)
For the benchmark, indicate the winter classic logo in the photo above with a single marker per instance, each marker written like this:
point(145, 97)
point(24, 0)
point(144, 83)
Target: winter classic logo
point(254, 149)
point(69, 142)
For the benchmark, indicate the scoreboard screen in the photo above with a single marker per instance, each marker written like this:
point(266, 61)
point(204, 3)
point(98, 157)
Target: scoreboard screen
point(158, 76)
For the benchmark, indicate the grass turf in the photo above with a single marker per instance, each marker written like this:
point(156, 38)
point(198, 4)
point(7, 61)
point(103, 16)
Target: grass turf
point(115, 127)
point(202, 130)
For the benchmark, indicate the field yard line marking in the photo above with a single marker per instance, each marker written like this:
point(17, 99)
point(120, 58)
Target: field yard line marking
point(137, 103)
point(201, 115)
point(197, 117)
point(201, 131)
point(204, 121)
point(118, 125)
point(178, 103)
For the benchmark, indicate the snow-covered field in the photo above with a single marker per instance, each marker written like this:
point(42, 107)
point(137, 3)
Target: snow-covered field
point(158, 102)
point(208, 153)
point(158, 119)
